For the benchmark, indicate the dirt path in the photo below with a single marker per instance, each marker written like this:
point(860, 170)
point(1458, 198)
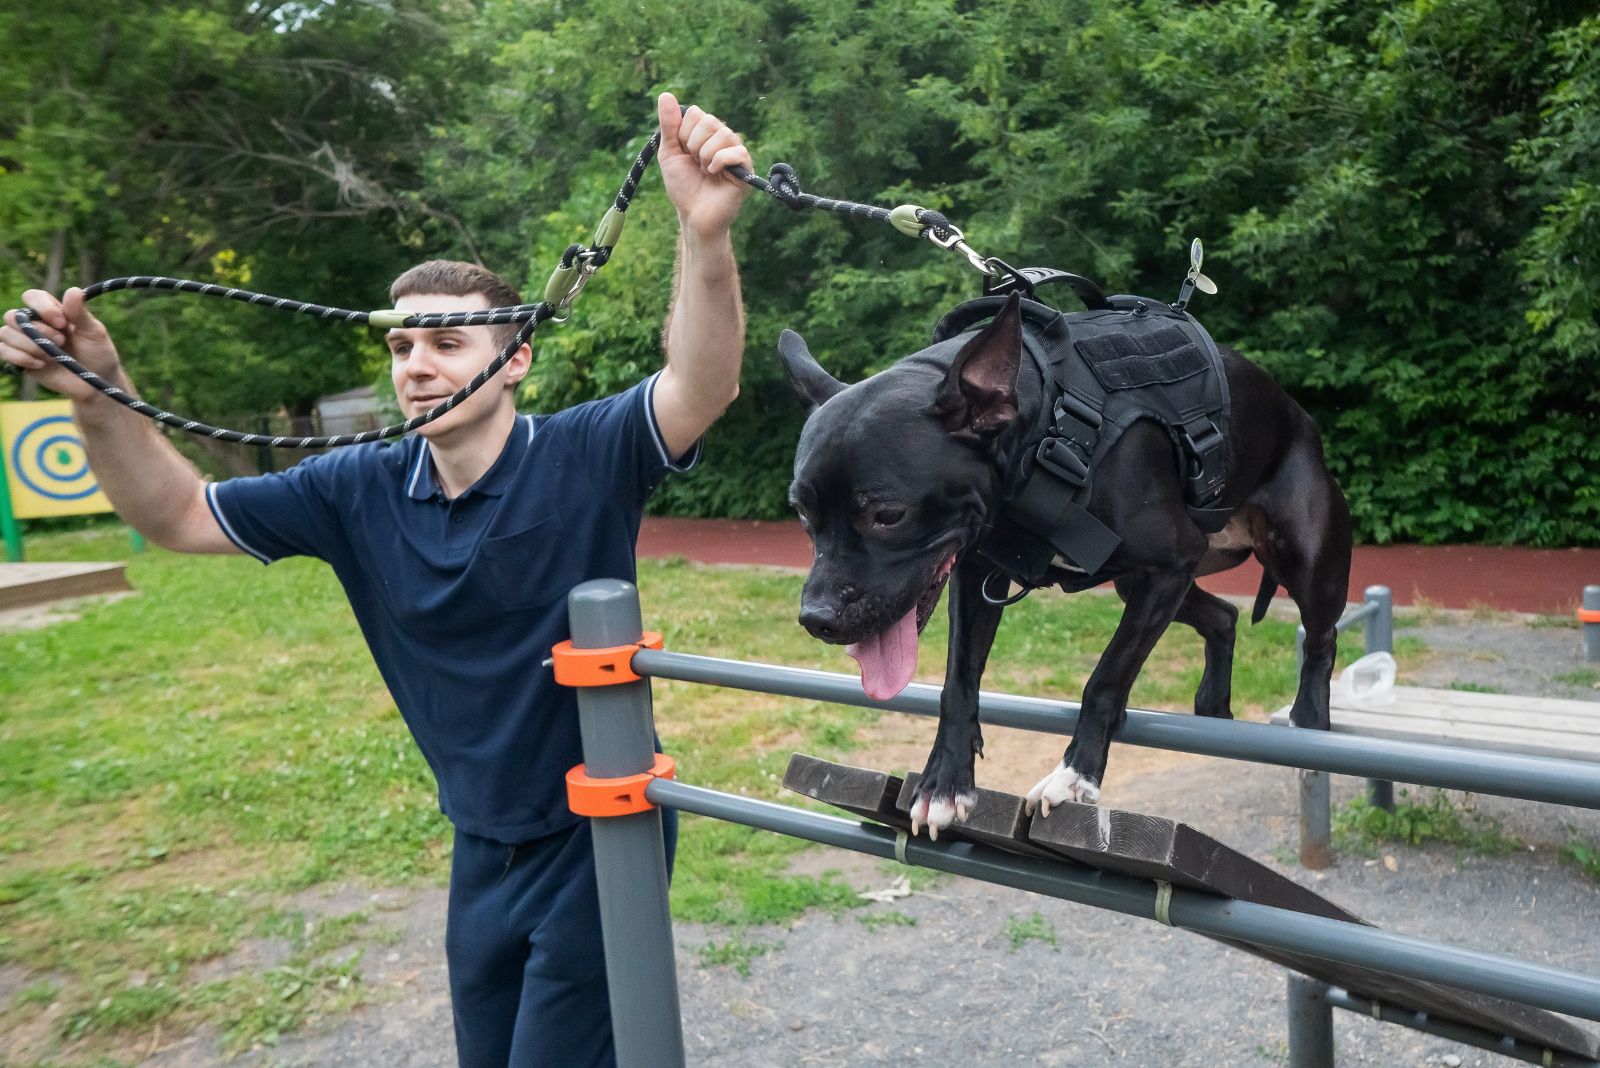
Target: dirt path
point(963, 973)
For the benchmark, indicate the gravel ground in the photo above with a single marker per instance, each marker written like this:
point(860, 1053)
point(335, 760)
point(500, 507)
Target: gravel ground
point(945, 974)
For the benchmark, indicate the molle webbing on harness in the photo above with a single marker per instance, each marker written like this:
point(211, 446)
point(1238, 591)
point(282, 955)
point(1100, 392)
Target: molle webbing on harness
point(1102, 371)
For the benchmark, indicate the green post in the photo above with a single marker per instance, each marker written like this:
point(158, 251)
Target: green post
point(10, 530)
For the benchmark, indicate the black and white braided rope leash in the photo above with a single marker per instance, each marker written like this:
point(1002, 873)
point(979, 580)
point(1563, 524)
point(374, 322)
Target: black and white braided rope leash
point(578, 263)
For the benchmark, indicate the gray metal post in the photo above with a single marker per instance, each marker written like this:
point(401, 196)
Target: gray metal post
point(629, 852)
point(1591, 631)
point(1316, 796)
point(1310, 1024)
point(1378, 630)
point(1316, 820)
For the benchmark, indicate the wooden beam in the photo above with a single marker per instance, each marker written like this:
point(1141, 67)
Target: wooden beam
point(1155, 848)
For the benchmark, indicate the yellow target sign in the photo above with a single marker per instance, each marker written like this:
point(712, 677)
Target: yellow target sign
point(45, 464)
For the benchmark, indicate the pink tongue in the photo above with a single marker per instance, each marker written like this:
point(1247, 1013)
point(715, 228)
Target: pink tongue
point(888, 660)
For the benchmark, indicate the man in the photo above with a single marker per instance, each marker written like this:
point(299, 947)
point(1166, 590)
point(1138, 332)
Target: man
point(456, 548)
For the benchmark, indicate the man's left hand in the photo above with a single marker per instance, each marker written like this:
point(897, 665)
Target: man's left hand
point(696, 151)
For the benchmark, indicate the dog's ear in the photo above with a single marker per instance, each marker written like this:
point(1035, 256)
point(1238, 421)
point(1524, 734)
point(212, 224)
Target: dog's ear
point(811, 383)
point(979, 394)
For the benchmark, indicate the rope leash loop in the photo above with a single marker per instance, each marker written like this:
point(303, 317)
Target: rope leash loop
point(578, 263)
point(529, 315)
point(576, 266)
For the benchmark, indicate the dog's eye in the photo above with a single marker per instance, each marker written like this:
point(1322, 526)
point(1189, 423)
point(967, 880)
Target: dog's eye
point(888, 517)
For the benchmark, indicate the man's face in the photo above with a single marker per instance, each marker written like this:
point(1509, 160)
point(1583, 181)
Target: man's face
point(427, 366)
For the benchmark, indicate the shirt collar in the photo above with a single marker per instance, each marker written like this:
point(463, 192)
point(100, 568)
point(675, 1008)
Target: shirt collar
point(422, 485)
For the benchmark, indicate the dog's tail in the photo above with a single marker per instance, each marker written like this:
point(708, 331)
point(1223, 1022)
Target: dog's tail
point(1269, 586)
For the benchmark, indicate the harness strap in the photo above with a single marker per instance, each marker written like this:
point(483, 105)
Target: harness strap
point(1031, 278)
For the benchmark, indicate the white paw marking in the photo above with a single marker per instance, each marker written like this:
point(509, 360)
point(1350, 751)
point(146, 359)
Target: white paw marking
point(1062, 784)
point(937, 813)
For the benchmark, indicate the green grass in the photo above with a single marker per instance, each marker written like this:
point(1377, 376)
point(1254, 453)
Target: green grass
point(177, 765)
point(735, 953)
point(1584, 855)
point(1359, 827)
point(1019, 932)
point(874, 921)
point(1582, 677)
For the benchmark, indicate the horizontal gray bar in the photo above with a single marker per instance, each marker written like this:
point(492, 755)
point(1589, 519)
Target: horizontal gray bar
point(1355, 616)
point(1561, 782)
point(1416, 958)
point(1504, 1045)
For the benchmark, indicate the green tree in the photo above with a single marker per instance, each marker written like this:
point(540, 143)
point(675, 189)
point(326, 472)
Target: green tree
point(270, 146)
point(1398, 203)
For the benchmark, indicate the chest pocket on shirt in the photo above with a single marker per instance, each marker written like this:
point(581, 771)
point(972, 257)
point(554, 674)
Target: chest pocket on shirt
point(526, 567)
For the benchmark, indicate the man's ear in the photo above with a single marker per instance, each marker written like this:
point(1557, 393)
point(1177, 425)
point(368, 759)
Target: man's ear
point(811, 383)
point(516, 368)
point(979, 395)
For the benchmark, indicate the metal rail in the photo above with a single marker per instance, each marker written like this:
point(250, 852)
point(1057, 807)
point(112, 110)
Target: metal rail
point(1561, 782)
point(1244, 921)
point(617, 729)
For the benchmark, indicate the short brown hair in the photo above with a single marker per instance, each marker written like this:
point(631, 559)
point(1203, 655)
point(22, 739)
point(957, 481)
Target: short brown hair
point(453, 278)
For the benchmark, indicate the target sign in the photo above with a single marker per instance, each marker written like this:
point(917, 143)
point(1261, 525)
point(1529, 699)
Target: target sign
point(45, 463)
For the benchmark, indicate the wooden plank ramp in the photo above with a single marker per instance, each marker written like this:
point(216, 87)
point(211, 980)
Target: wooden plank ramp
point(24, 585)
point(1151, 847)
point(1502, 722)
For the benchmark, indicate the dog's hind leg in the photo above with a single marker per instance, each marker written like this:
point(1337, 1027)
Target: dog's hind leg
point(946, 792)
point(1309, 555)
point(1216, 621)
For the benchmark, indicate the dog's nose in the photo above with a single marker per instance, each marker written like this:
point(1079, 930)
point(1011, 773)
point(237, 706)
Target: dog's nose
point(820, 621)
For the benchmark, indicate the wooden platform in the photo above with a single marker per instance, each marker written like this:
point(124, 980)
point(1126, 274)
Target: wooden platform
point(1504, 723)
point(23, 585)
point(1150, 847)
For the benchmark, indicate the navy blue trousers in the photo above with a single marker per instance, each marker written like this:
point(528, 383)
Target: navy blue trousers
point(527, 964)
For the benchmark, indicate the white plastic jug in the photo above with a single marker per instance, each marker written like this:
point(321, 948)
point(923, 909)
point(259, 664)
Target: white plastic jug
point(1370, 680)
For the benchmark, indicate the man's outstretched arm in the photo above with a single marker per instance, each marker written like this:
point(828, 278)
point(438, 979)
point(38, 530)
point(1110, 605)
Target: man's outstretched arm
point(705, 324)
point(153, 488)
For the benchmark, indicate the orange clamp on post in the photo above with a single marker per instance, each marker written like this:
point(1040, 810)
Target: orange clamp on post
point(599, 667)
point(1589, 615)
point(588, 796)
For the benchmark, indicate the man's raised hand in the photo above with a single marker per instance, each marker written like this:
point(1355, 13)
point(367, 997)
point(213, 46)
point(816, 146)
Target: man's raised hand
point(696, 151)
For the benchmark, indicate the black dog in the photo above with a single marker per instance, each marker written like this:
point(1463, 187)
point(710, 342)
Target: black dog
point(899, 477)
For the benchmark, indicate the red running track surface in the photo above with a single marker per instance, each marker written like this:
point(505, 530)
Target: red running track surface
point(1506, 578)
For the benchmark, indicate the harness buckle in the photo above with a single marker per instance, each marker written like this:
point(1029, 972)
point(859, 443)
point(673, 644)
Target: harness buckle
point(1203, 468)
point(1071, 418)
point(1062, 458)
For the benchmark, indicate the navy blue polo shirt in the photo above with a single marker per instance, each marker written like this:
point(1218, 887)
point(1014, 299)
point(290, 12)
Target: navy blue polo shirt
point(461, 599)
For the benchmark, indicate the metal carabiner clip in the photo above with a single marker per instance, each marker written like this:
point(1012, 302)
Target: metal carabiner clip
point(956, 240)
point(586, 271)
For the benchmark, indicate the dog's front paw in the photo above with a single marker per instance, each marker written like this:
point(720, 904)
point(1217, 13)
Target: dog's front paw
point(1062, 784)
point(937, 810)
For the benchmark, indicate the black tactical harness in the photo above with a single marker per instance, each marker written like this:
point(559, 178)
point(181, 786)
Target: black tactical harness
point(1122, 359)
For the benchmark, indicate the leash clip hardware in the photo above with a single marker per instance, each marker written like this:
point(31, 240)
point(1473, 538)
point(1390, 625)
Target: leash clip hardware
point(586, 268)
point(956, 240)
point(1004, 598)
point(984, 265)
